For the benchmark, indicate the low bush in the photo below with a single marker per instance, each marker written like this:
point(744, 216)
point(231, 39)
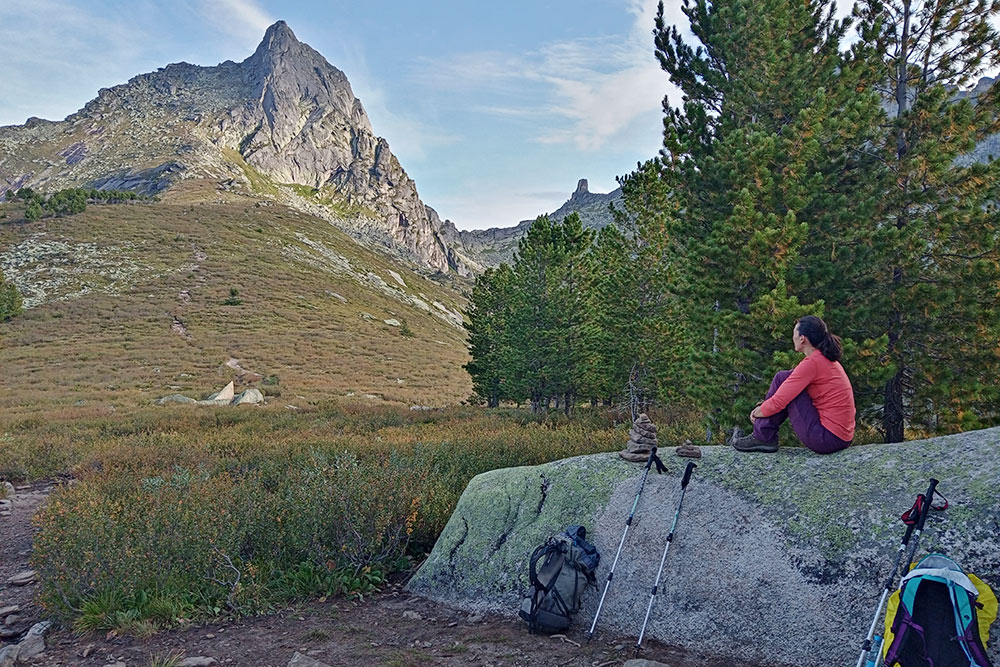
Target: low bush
point(182, 516)
point(238, 537)
point(233, 298)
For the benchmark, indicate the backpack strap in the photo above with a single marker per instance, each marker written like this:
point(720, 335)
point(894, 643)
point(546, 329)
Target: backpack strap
point(966, 627)
point(543, 580)
point(903, 627)
point(904, 632)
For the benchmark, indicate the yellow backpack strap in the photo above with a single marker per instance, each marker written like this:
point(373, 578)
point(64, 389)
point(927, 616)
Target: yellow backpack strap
point(890, 613)
point(987, 613)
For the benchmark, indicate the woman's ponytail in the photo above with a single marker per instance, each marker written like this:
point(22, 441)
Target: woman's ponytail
point(814, 329)
point(831, 347)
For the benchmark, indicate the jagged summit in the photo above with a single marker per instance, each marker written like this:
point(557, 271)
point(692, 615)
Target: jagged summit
point(278, 34)
point(581, 187)
point(280, 53)
point(284, 115)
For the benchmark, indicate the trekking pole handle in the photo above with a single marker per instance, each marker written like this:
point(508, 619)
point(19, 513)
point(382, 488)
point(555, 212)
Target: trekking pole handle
point(926, 509)
point(652, 456)
point(687, 474)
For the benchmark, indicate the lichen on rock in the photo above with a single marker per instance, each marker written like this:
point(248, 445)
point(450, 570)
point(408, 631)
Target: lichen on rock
point(768, 546)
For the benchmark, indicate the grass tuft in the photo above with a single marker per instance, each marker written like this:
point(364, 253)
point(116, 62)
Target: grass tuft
point(172, 659)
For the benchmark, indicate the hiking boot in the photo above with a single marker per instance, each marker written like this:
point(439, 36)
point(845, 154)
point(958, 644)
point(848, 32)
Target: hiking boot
point(750, 443)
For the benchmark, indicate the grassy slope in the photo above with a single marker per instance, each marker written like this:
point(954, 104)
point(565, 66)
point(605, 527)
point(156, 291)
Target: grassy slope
point(109, 349)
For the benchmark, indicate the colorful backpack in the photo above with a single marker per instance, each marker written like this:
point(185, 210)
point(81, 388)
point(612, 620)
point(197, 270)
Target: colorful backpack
point(939, 617)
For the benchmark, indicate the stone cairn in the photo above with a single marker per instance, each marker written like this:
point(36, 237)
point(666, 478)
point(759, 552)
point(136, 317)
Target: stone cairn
point(689, 449)
point(641, 440)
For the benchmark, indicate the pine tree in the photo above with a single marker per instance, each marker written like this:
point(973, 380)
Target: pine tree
point(10, 300)
point(546, 326)
point(571, 316)
point(935, 226)
point(756, 160)
point(638, 335)
point(610, 335)
point(488, 315)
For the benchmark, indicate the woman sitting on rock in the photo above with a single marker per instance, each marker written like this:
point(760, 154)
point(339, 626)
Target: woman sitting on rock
point(816, 396)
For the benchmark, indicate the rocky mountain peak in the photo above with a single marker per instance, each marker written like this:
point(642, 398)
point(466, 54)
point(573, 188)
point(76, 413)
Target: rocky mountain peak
point(277, 35)
point(281, 119)
point(288, 73)
point(280, 49)
point(581, 187)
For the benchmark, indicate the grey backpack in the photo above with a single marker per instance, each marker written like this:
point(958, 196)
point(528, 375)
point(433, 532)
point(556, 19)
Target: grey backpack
point(559, 571)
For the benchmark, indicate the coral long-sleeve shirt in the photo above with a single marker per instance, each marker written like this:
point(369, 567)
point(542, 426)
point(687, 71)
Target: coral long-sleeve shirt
point(827, 385)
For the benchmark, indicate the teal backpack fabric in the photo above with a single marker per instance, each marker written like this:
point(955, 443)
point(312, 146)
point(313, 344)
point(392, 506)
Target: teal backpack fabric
point(935, 623)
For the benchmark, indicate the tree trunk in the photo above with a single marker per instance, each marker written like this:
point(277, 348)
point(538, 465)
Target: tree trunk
point(893, 414)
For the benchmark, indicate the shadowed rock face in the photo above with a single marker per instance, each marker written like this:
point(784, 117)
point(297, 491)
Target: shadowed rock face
point(778, 558)
point(301, 118)
point(305, 126)
point(289, 115)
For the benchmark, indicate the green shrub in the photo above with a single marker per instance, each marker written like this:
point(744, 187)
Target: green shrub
point(219, 540)
point(33, 211)
point(186, 516)
point(11, 304)
point(71, 201)
point(233, 298)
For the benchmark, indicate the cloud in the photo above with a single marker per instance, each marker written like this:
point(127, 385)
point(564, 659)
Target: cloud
point(585, 92)
point(73, 49)
point(239, 18)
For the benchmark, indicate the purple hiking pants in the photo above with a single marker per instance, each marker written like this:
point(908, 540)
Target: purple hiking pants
point(805, 422)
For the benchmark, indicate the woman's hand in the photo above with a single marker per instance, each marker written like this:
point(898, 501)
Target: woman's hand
point(756, 413)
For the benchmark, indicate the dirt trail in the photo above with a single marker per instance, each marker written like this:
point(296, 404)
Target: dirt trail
point(15, 549)
point(389, 628)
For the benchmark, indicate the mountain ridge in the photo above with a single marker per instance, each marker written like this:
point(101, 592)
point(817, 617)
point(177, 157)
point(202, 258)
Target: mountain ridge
point(495, 245)
point(282, 124)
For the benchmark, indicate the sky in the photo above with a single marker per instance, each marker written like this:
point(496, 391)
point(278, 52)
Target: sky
point(495, 109)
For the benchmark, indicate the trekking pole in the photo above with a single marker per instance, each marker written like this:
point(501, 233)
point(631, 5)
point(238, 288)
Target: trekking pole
point(914, 519)
point(660, 468)
point(670, 538)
